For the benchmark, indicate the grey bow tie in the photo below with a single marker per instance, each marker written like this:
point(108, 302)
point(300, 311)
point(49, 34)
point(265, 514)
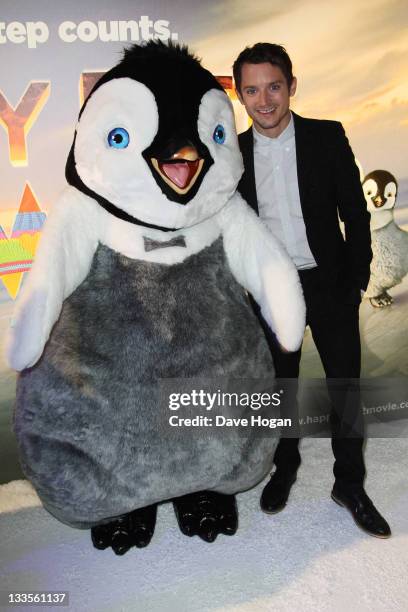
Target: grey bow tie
point(151, 245)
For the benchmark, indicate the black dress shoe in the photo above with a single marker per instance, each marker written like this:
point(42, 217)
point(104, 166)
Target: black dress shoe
point(276, 493)
point(363, 511)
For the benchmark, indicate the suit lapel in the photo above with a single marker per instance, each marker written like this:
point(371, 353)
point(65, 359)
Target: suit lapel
point(303, 157)
point(304, 146)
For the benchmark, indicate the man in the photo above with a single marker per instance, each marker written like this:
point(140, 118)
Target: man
point(300, 174)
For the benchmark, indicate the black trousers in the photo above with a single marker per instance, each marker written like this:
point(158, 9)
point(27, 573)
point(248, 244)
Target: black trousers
point(332, 315)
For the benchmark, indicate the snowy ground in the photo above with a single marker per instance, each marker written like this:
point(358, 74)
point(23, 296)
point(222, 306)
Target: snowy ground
point(310, 557)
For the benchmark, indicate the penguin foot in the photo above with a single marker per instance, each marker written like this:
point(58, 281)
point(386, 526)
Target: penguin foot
point(206, 514)
point(382, 300)
point(133, 529)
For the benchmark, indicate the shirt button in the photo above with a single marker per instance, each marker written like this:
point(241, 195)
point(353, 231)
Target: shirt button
point(277, 167)
point(287, 148)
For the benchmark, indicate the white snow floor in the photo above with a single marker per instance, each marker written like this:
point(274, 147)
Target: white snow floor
point(310, 557)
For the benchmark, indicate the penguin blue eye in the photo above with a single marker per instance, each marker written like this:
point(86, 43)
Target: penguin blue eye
point(118, 138)
point(219, 134)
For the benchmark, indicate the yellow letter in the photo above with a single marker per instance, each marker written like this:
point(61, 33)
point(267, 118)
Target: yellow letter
point(18, 121)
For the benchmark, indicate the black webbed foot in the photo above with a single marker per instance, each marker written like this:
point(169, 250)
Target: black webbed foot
point(133, 529)
point(381, 301)
point(206, 514)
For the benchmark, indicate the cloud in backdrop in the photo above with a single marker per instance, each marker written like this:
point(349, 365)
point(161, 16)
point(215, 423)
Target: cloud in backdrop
point(349, 56)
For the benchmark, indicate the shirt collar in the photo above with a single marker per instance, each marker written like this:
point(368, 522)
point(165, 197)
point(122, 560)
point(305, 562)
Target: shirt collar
point(263, 141)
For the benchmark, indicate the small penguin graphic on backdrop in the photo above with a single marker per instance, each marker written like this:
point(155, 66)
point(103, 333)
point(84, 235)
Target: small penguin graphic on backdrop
point(388, 241)
point(142, 274)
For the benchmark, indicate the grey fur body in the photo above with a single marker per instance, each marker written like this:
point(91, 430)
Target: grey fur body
point(91, 437)
point(390, 258)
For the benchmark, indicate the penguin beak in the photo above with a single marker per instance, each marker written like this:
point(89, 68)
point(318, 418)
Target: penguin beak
point(378, 201)
point(181, 170)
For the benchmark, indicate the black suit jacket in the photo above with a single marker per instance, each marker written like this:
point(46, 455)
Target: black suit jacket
point(329, 185)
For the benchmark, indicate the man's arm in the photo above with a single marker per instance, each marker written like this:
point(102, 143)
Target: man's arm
point(353, 212)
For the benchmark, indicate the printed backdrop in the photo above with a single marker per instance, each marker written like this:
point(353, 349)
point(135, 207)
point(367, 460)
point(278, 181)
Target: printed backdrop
point(348, 56)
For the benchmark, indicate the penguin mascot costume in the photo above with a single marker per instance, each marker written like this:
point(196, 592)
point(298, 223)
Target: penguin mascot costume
point(388, 241)
point(142, 274)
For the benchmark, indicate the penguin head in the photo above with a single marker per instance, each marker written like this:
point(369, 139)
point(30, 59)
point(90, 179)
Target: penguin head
point(156, 139)
point(380, 190)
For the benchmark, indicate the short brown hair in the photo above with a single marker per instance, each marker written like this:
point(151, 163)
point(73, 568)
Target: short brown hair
point(259, 54)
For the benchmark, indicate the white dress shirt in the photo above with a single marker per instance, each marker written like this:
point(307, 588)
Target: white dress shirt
point(278, 193)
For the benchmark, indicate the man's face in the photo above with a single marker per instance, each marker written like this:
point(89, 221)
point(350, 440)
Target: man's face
point(265, 95)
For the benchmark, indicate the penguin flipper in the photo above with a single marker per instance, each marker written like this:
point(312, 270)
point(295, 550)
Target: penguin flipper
point(62, 261)
point(261, 264)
